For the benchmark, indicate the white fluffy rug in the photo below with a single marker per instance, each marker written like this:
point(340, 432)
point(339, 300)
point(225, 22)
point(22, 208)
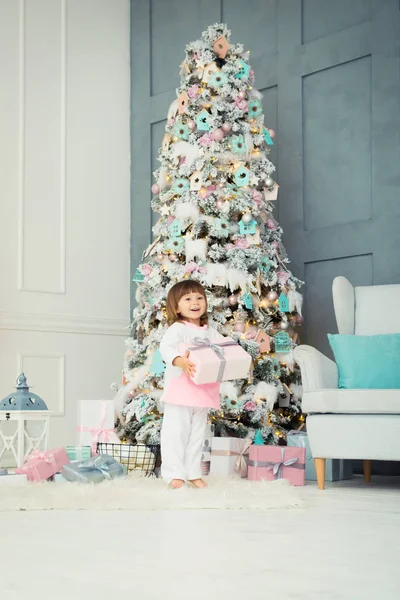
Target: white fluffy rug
point(139, 493)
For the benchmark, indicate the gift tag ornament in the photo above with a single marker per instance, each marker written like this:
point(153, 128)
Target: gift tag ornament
point(202, 120)
point(221, 47)
point(243, 70)
point(157, 364)
point(283, 303)
point(247, 227)
point(248, 300)
point(211, 68)
point(183, 101)
point(265, 264)
point(196, 181)
point(175, 229)
point(138, 276)
point(282, 342)
point(242, 176)
point(264, 341)
point(271, 194)
point(267, 137)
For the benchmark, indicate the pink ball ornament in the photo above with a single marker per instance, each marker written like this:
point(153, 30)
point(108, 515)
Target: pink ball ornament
point(220, 204)
point(218, 135)
point(131, 394)
point(239, 327)
point(220, 185)
point(242, 94)
point(272, 133)
point(233, 300)
point(272, 296)
point(160, 257)
point(191, 125)
point(155, 188)
point(275, 245)
point(171, 122)
point(299, 320)
point(227, 127)
point(173, 257)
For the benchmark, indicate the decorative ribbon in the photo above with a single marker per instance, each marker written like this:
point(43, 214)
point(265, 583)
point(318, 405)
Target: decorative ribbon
point(100, 463)
point(203, 343)
point(98, 432)
point(47, 457)
point(240, 462)
point(277, 467)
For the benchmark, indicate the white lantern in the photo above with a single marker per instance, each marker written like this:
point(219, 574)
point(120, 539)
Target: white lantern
point(22, 407)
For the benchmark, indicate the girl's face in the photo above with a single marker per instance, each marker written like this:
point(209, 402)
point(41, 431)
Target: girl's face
point(191, 307)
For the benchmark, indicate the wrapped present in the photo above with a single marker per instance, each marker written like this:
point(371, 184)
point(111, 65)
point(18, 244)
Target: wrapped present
point(217, 361)
point(79, 452)
point(206, 453)
point(93, 470)
point(96, 423)
point(40, 466)
point(229, 456)
point(58, 478)
point(335, 469)
point(277, 462)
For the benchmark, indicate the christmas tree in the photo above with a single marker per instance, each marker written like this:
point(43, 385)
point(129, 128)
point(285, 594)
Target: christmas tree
point(215, 194)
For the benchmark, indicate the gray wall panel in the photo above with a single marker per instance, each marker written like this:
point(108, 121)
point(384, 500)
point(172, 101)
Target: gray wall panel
point(337, 144)
point(324, 17)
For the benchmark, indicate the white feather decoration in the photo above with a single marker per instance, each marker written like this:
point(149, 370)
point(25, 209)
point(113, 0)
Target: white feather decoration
point(187, 212)
point(138, 295)
point(173, 109)
point(236, 279)
point(185, 150)
point(195, 249)
point(266, 391)
point(217, 274)
point(297, 390)
point(295, 301)
point(122, 395)
point(253, 93)
point(162, 178)
point(228, 390)
point(288, 359)
point(249, 142)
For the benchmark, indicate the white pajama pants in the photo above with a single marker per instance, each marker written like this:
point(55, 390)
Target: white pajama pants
point(182, 439)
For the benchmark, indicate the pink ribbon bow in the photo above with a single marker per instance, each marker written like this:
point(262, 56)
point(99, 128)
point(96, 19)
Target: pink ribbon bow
point(100, 431)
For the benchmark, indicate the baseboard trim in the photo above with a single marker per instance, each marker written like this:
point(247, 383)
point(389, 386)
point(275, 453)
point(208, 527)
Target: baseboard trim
point(64, 324)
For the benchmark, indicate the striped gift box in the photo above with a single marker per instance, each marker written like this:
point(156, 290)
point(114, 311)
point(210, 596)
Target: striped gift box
point(78, 452)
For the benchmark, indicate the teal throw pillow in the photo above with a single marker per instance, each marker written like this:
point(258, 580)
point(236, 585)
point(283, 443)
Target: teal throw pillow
point(367, 361)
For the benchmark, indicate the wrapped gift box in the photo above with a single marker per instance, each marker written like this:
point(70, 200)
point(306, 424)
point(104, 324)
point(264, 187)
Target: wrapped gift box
point(277, 462)
point(93, 470)
point(217, 361)
point(229, 456)
point(335, 469)
point(7, 478)
point(58, 478)
point(96, 423)
point(78, 452)
point(206, 454)
point(43, 465)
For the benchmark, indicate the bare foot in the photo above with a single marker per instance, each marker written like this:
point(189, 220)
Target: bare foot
point(198, 483)
point(176, 484)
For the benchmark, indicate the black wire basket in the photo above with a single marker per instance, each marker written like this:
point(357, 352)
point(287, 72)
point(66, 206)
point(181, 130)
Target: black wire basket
point(138, 457)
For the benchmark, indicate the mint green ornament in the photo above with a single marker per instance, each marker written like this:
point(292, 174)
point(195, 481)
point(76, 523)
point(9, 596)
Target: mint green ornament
point(138, 276)
point(243, 70)
point(267, 137)
point(238, 144)
point(217, 79)
point(255, 108)
point(180, 185)
point(202, 121)
point(258, 439)
point(157, 364)
point(182, 131)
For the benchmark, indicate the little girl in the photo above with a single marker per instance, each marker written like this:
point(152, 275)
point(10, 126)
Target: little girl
point(185, 404)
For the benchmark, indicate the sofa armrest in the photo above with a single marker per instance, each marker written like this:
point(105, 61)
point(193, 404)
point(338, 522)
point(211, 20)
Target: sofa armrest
point(317, 370)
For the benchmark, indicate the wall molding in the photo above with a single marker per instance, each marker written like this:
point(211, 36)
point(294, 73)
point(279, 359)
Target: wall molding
point(64, 324)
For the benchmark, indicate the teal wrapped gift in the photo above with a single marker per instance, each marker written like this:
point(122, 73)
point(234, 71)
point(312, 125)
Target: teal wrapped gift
point(335, 469)
point(79, 452)
point(93, 470)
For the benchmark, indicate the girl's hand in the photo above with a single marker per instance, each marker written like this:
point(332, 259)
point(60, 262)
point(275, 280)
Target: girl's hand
point(185, 364)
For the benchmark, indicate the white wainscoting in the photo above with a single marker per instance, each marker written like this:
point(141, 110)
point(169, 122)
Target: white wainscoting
point(64, 200)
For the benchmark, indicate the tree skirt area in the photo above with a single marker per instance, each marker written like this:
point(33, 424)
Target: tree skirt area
point(143, 493)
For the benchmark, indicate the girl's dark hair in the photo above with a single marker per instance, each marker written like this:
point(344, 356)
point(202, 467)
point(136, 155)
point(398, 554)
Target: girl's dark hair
point(175, 294)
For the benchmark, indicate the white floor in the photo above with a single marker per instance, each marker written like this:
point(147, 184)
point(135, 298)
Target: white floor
point(343, 544)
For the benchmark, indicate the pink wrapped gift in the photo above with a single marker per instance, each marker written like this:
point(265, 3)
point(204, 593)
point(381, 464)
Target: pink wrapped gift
point(43, 465)
point(217, 361)
point(277, 462)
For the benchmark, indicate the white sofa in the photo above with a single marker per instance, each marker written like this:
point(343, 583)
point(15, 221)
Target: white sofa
point(352, 424)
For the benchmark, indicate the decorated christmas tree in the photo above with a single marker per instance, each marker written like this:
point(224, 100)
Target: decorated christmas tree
point(215, 193)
